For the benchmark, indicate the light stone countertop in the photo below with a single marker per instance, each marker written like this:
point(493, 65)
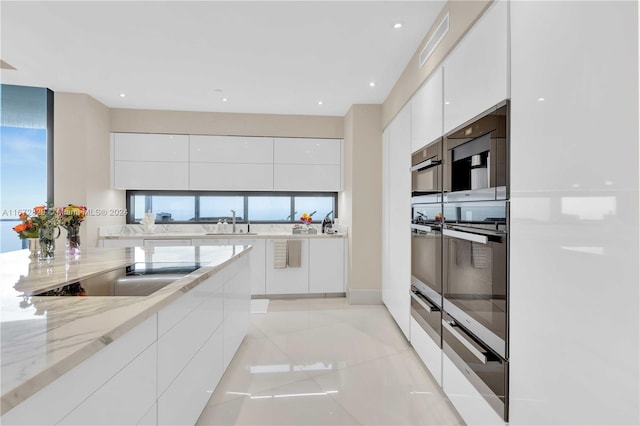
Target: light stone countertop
point(44, 337)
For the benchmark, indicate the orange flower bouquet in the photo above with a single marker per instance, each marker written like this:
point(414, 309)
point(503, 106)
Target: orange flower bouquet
point(306, 219)
point(26, 228)
point(71, 218)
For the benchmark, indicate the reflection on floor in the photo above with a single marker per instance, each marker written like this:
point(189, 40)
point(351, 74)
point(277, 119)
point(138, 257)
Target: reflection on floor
point(325, 362)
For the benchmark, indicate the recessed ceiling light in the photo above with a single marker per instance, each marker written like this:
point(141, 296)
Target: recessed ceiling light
point(540, 99)
point(397, 25)
point(320, 102)
point(372, 84)
point(447, 103)
point(224, 99)
point(122, 95)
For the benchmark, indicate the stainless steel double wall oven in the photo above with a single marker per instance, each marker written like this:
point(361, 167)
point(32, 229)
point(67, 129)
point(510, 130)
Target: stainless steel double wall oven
point(460, 250)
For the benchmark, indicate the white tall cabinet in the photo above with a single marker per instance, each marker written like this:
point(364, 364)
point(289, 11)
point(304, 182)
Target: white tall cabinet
point(574, 226)
point(396, 206)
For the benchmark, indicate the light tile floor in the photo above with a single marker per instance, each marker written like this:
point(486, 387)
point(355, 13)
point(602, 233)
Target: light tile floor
point(325, 362)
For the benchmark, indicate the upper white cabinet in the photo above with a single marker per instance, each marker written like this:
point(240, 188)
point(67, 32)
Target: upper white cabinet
point(231, 149)
point(225, 163)
point(307, 164)
point(150, 161)
point(150, 147)
point(231, 163)
point(426, 112)
point(307, 151)
point(475, 73)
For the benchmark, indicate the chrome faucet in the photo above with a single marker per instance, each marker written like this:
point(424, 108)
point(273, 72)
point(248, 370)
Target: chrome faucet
point(233, 219)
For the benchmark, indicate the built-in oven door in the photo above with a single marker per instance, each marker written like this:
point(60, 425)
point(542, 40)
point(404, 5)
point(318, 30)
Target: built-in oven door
point(486, 371)
point(426, 170)
point(475, 285)
point(426, 251)
point(427, 314)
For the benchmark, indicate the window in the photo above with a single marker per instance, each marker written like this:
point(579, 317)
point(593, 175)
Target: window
point(26, 146)
point(207, 207)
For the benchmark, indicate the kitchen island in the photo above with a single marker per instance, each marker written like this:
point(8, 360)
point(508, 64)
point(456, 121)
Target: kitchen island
point(119, 359)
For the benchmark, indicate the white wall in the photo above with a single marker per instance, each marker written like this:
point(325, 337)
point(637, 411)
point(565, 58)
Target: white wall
point(575, 327)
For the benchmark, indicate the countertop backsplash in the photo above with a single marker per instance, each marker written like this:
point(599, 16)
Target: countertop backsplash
point(136, 230)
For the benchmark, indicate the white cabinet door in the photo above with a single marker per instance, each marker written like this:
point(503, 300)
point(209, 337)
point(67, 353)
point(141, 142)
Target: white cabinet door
point(209, 241)
point(237, 304)
point(166, 243)
point(426, 112)
point(288, 280)
point(150, 147)
point(229, 176)
point(231, 149)
point(326, 265)
point(473, 408)
point(307, 151)
point(428, 350)
point(399, 218)
point(300, 177)
point(150, 175)
point(475, 73)
point(257, 263)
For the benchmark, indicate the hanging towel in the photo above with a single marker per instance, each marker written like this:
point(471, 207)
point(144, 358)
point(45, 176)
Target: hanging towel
point(294, 256)
point(279, 254)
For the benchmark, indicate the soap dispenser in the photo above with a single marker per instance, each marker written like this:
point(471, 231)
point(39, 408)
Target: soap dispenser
point(219, 226)
point(225, 226)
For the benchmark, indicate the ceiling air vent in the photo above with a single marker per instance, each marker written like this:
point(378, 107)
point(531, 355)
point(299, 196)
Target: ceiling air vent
point(435, 40)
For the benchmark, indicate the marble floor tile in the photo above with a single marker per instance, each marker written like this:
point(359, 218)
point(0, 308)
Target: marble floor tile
point(323, 361)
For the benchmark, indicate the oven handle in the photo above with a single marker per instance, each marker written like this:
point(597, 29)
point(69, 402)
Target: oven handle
point(424, 302)
point(476, 238)
point(425, 165)
point(424, 228)
point(449, 325)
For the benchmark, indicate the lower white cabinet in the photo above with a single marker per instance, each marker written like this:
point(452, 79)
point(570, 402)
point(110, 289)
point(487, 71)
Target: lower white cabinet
point(473, 408)
point(257, 263)
point(287, 280)
point(428, 350)
point(326, 265)
point(162, 371)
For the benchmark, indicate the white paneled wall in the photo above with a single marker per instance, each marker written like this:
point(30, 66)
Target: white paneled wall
point(575, 327)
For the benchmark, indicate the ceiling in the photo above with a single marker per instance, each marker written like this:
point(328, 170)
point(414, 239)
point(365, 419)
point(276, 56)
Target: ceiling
point(263, 57)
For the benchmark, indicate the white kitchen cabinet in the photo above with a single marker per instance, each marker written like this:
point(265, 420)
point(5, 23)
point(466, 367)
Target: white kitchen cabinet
point(307, 177)
point(231, 163)
point(257, 262)
point(288, 280)
point(473, 408)
point(185, 325)
point(231, 149)
point(150, 147)
point(476, 71)
point(125, 398)
point(307, 151)
point(149, 161)
point(326, 265)
point(426, 112)
point(399, 216)
point(150, 175)
point(166, 243)
point(428, 350)
point(237, 305)
point(56, 400)
point(307, 164)
point(229, 176)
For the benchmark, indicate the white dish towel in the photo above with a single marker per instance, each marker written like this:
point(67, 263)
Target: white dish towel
point(279, 254)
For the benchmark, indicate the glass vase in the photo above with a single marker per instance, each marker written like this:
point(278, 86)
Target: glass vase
point(48, 242)
point(73, 240)
point(33, 244)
